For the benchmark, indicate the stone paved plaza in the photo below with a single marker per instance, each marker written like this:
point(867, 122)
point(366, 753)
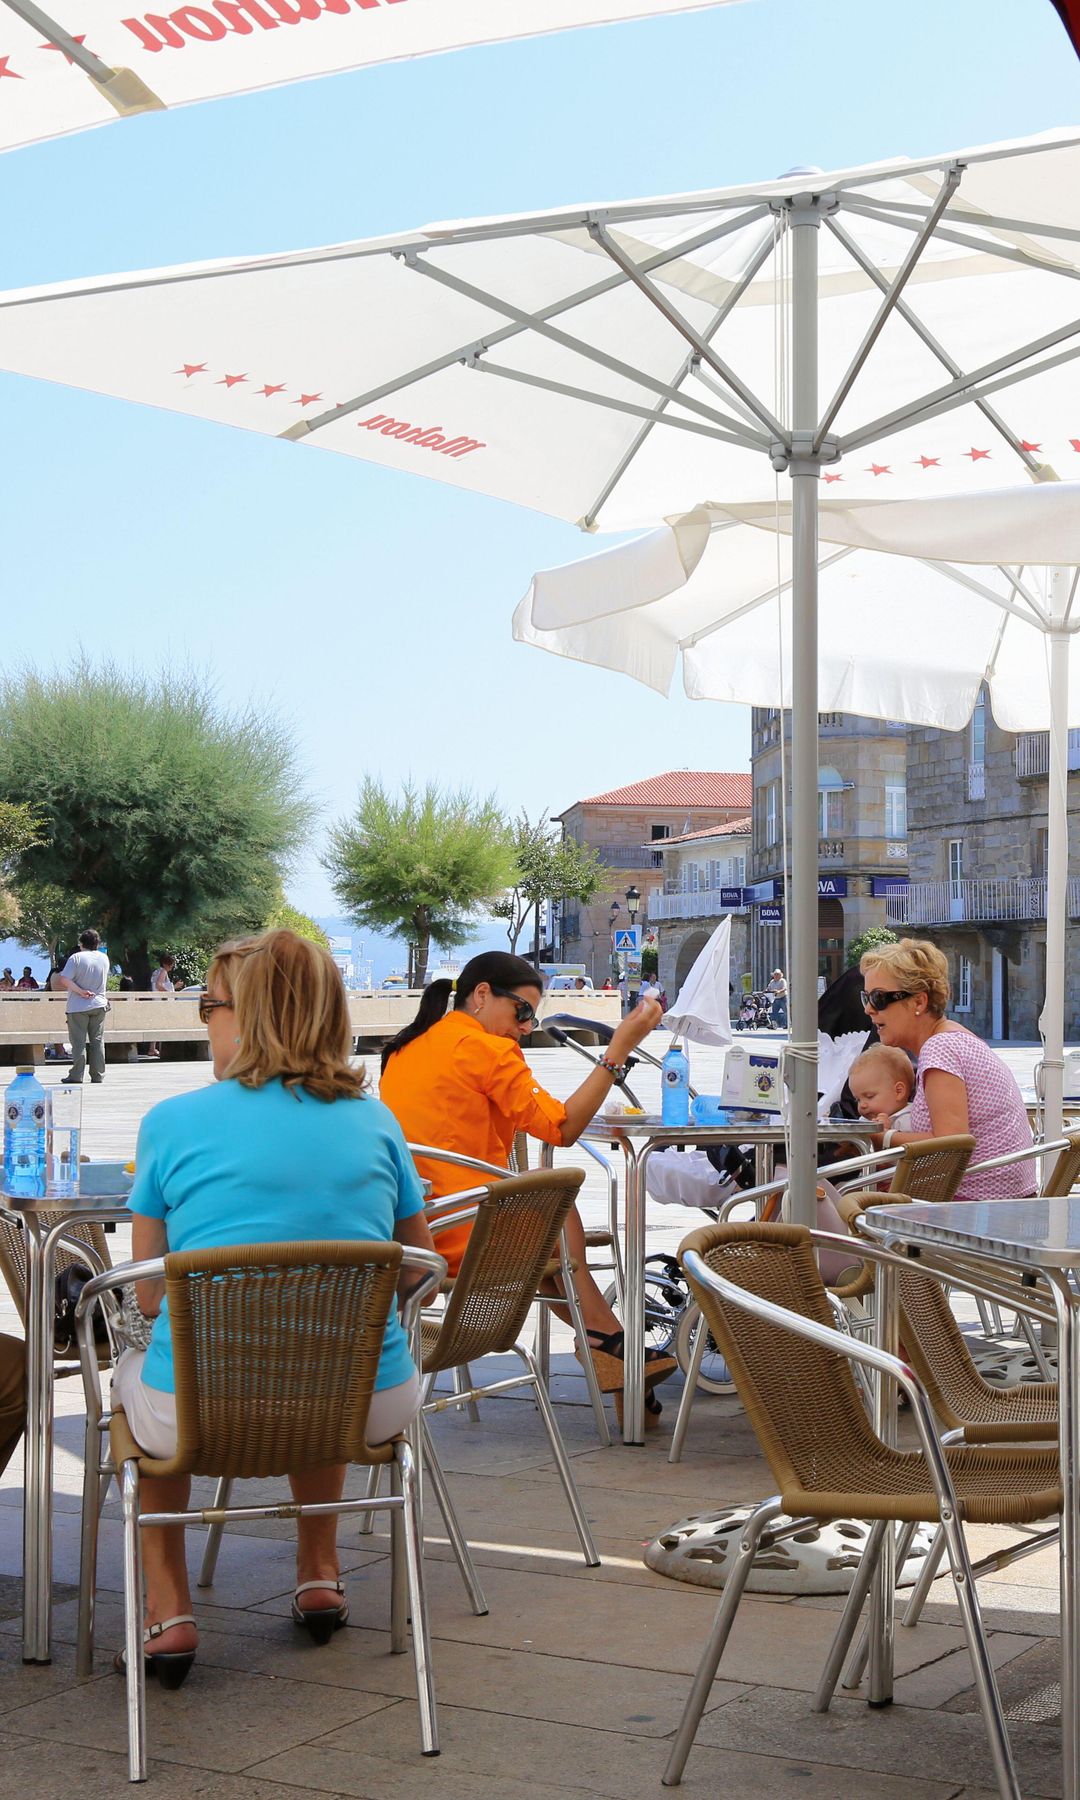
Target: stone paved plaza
point(574, 1682)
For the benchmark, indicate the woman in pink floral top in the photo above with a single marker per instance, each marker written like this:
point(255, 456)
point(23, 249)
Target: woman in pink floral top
point(960, 1084)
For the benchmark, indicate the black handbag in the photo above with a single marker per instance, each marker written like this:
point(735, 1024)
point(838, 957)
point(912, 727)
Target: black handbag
point(67, 1292)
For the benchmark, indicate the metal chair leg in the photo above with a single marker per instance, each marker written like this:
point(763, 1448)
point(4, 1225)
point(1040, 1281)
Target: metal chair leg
point(463, 1381)
point(584, 1351)
point(214, 1535)
point(95, 1489)
point(562, 1461)
point(718, 1637)
point(982, 1667)
point(1031, 1337)
point(850, 1616)
point(542, 1340)
point(367, 1520)
point(458, 1540)
point(414, 1572)
point(399, 1597)
point(135, 1671)
point(920, 1592)
point(686, 1403)
point(860, 1656)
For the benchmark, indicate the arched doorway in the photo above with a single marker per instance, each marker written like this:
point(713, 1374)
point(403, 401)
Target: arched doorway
point(689, 951)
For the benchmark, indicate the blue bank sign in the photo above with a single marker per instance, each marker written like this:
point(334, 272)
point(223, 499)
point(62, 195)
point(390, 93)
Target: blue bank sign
point(832, 887)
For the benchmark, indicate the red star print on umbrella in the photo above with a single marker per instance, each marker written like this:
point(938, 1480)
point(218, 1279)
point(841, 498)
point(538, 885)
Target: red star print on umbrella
point(11, 74)
point(879, 469)
point(929, 462)
point(190, 369)
point(230, 381)
point(977, 455)
point(272, 388)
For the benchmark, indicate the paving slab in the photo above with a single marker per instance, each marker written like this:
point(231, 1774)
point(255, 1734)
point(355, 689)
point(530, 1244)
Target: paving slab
point(103, 1775)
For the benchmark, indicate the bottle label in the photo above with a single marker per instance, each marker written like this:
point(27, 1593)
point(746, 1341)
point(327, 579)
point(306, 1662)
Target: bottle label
point(37, 1112)
point(14, 1112)
point(673, 1077)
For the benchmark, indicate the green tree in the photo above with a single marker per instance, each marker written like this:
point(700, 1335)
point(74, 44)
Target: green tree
point(19, 828)
point(869, 940)
point(546, 867)
point(288, 918)
point(171, 817)
point(420, 865)
point(50, 917)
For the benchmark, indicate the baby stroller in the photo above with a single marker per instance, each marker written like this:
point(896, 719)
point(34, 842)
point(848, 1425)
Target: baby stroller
point(706, 1178)
point(755, 1012)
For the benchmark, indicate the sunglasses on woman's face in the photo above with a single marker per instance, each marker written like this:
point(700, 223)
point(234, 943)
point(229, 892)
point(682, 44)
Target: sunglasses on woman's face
point(524, 1010)
point(207, 1006)
point(879, 998)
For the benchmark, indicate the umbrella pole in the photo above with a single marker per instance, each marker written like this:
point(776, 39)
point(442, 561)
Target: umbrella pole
point(804, 468)
point(1052, 1020)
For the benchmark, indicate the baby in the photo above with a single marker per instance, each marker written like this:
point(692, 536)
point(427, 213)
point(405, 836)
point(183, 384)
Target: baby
point(882, 1081)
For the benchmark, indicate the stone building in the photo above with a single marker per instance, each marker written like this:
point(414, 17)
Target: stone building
point(862, 833)
point(622, 826)
point(977, 862)
point(704, 882)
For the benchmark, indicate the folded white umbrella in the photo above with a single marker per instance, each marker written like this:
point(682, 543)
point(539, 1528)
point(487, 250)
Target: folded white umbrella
point(58, 77)
point(899, 329)
point(702, 1007)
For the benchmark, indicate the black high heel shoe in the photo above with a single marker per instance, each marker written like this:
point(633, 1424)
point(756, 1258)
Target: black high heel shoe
point(321, 1621)
point(171, 1667)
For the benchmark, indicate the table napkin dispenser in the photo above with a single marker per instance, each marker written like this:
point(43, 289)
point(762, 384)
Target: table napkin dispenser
point(752, 1078)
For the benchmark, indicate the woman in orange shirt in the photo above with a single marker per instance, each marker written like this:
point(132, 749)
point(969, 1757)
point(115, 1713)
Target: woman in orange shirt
point(460, 1080)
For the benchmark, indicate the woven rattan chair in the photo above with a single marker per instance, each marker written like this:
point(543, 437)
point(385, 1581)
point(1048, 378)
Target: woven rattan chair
point(275, 1351)
point(84, 1243)
point(517, 1224)
point(934, 1169)
point(767, 1308)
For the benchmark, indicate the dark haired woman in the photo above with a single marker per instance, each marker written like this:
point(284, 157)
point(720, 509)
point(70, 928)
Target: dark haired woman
point(460, 1080)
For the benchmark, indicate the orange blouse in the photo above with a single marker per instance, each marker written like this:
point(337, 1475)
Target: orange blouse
point(464, 1089)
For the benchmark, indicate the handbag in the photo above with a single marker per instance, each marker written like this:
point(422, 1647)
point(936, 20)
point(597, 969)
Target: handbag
point(67, 1292)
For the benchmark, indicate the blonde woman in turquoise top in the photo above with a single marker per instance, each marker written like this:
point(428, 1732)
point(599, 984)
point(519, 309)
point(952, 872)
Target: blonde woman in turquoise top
point(285, 1146)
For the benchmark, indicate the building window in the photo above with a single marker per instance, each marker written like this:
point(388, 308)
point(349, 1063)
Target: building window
point(896, 812)
point(963, 985)
point(956, 868)
point(772, 833)
point(830, 811)
point(976, 774)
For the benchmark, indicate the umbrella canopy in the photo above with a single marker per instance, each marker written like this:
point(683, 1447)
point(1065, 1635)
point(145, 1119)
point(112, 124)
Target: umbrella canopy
point(129, 60)
point(702, 1008)
point(909, 629)
point(606, 361)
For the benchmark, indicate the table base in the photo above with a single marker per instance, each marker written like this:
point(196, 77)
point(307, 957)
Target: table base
point(700, 1550)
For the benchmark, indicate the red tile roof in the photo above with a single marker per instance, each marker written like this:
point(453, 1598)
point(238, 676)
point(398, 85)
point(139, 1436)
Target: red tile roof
point(680, 787)
point(733, 828)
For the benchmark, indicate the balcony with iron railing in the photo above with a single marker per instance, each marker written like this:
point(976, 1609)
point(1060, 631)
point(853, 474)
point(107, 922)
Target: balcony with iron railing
point(1033, 753)
point(706, 903)
point(630, 856)
point(976, 900)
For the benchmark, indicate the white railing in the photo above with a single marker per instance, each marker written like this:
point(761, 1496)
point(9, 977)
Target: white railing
point(1020, 897)
point(1033, 752)
point(976, 781)
point(705, 904)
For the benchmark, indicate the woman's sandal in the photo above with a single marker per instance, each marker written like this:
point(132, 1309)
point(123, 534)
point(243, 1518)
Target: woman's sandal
point(321, 1621)
point(653, 1410)
point(170, 1666)
point(606, 1349)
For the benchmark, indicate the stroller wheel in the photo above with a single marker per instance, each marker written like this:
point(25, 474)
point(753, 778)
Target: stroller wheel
point(714, 1376)
point(663, 1309)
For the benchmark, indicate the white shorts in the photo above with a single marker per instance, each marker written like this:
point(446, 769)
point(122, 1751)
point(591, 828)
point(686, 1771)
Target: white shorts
point(151, 1413)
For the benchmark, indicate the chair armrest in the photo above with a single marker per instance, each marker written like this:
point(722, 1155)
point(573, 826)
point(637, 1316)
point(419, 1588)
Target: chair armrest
point(1015, 1156)
point(453, 1218)
point(432, 1268)
point(439, 1209)
point(123, 1275)
point(433, 1154)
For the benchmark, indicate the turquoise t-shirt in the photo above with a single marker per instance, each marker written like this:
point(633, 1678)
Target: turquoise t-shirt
point(238, 1165)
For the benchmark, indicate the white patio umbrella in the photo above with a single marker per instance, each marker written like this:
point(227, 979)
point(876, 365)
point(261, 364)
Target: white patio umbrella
point(910, 628)
point(129, 60)
point(702, 1007)
point(604, 361)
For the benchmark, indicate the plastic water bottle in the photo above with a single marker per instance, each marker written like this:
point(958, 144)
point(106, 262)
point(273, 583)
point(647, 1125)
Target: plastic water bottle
point(64, 1124)
point(675, 1088)
point(24, 1137)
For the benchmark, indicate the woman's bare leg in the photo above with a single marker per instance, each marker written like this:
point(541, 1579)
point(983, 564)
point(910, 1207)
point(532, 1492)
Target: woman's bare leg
point(316, 1538)
point(164, 1561)
point(595, 1310)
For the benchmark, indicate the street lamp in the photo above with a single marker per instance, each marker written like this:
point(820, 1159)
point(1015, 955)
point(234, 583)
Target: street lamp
point(633, 901)
point(613, 912)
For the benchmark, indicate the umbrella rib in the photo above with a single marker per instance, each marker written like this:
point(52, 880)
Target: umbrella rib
point(990, 221)
point(568, 391)
point(958, 393)
point(1006, 252)
point(686, 330)
point(74, 51)
point(759, 600)
point(462, 352)
point(963, 579)
point(588, 518)
point(890, 300)
point(530, 322)
point(922, 331)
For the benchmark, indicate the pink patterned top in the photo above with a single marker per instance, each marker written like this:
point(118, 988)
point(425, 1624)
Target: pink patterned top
point(997, 1118)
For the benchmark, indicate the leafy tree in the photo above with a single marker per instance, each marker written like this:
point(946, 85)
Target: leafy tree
point(419, 865)
point(870, 939)
point(290, 919)
point(19, 828)
point(547, 867)
point(170, 817)
point(650, 962)
point(50, 917)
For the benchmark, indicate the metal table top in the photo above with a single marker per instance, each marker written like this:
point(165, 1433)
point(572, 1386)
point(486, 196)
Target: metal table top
point(1044, 1233)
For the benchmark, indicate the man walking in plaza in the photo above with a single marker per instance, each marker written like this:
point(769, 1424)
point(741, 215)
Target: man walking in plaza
point(85, 976)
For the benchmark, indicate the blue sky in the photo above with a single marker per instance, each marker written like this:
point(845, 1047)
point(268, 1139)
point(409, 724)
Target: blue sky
point(165, 541)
